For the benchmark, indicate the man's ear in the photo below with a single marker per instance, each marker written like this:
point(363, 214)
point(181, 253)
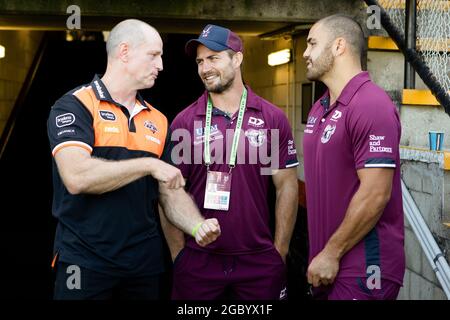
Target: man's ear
point(237, 59)
point(123, 51)
point(339, 46)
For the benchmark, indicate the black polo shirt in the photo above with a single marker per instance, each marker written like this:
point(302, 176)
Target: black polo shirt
point(115, 232)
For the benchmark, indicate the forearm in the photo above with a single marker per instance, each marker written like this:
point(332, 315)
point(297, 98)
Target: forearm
point(362, 215)
point(98, 176)
point(173, 235)
point(180, 209)
point(285, 215)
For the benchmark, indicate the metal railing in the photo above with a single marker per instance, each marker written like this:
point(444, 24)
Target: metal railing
point(432, 251)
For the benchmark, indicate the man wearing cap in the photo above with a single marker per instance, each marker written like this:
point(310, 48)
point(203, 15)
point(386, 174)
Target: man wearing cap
point(224, 141)
point(352, 172)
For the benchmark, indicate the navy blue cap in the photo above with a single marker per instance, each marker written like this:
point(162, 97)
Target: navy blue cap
point(215, 38)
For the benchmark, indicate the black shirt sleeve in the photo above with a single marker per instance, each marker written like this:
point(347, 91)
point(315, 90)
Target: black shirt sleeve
point(70, 123)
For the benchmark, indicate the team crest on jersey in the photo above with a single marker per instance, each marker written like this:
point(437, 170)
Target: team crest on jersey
point(256, 137)
point(327, 133)
point(150, 125)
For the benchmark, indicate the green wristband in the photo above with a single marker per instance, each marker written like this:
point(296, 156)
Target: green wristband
point(195, 229)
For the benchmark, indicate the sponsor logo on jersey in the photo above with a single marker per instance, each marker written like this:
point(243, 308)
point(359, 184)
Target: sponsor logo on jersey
point(311, 121)
point(65, 120)
point(256, 122)
point(200, 131)
point(70, 132)
point(107, 115)
point(99, 89)
point(375, 144)
point(336, 115)
point(291, 148)
point(111, 129)
point(152, 139)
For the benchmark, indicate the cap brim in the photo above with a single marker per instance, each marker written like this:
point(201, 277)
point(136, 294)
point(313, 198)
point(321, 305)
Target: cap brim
point(191, 46)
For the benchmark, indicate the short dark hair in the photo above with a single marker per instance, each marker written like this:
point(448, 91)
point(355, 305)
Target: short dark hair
point(340, 25)
point(230, 52)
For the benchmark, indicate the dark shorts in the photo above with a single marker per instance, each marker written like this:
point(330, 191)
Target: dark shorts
point(199, 275)
point(356, 289)
point(78, 283)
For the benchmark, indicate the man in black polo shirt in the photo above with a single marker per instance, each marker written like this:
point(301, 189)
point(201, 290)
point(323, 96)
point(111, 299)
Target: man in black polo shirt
point(111, 152)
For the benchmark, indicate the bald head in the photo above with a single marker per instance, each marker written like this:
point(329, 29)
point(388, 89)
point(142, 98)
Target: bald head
point(342, 26)
point(131, 31)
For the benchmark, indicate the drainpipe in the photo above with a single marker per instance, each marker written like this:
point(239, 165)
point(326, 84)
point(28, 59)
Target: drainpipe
point(410, 41)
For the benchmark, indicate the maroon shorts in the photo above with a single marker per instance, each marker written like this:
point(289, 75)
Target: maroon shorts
point(199, 275)
point(356, 289)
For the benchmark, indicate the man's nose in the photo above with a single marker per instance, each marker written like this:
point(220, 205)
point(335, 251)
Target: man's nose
point(159, 64)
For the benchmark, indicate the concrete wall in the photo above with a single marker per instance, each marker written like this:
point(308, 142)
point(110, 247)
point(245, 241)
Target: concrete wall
point(20, 50)
point(418, 120)
point(430, 188)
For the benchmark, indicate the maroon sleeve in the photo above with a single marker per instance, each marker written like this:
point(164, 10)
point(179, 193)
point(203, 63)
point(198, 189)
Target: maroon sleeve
point(375, 133)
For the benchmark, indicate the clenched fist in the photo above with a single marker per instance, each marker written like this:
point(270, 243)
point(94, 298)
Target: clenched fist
point(208, 232)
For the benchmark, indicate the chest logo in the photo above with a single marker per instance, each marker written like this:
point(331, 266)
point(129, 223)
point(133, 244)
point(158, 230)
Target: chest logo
point(107, 115)
point(256, 137)
point(327, 133)
point(151, 126)
point(65, 120)
point(256, 122)
point(336, 115)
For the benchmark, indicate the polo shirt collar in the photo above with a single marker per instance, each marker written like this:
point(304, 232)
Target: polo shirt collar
point(102, 93)
point(252, 102)
point(352, 87)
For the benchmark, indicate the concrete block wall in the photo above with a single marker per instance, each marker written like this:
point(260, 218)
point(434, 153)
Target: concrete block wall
point(20, 49)
point(418, 120)
point(426, 182)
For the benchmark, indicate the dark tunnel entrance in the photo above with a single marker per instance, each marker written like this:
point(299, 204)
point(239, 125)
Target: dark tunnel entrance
point(27, 228)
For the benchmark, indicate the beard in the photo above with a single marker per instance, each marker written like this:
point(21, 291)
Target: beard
point(224, 83)
point(321, 66)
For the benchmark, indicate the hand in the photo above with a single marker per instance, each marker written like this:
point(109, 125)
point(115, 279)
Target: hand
point(323, 269)
point(167, 174)
point(208, 232)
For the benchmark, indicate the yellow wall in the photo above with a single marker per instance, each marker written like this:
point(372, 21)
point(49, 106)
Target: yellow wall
point(281, 85)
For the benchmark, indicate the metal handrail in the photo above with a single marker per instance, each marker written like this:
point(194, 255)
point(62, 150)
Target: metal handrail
point(432, 251)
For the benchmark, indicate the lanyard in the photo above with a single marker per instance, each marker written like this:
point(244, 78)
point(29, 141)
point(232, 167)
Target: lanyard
point(237, 131)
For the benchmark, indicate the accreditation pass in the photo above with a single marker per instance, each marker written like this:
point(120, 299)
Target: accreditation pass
point(217, 192)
